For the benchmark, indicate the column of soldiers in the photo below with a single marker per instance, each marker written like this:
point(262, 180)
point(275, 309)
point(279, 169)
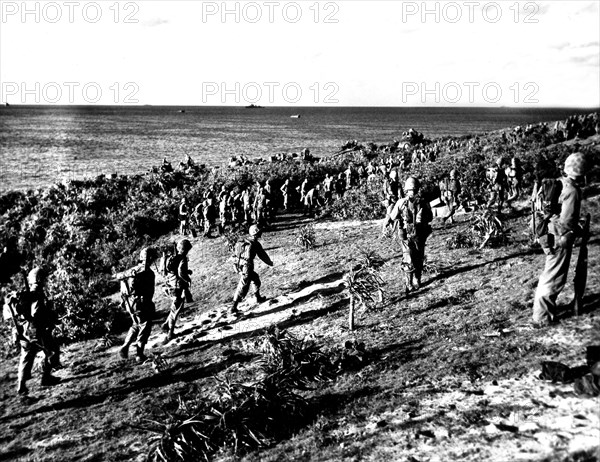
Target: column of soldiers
point(407, 212)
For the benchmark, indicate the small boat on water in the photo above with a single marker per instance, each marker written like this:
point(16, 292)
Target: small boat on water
point(254, 106)
point(295, 116)
point(182, 110)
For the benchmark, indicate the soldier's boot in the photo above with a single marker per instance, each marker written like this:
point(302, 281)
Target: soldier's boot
point(415, 282)
point(407, 284)
point(49, 380)
point(234, 307)
point(21, 387)
point(259, 298)
point(140, 357)
point(124, 350)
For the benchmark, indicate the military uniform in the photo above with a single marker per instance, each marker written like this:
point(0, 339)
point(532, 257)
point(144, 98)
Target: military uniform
point(496, 178)
point(137, 300)
point(413, 215)
point(563, 228)
point(245, 268)
point(450, 190)
point(36, 319)
point(178, 286)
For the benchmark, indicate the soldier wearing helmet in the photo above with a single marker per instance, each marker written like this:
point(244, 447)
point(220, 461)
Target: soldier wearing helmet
point(450, 190)
point(35, 319)
point(563, 227)
point(392, 187)
point(137, 292)
point(178, 283)
point(246, 250)
point(183, 217)
point(413, 214)
point(514, 176)
point(497, 184)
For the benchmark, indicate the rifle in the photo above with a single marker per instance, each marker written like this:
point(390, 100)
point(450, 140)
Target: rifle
point(533, 196)
point(580, 279)
point(122, 277)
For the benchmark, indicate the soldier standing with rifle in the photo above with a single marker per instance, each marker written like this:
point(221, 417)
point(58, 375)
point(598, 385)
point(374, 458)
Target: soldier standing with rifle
point(414, 215)
point(178, 285)
point(563, 228)
point(137, 291)
point(34, 320)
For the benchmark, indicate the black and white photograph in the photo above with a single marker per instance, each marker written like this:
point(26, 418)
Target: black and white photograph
point(309, 230)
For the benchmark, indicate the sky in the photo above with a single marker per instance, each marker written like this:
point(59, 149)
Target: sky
point(303, 53)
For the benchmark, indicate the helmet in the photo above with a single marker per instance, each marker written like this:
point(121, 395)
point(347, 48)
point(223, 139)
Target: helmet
point(35, 276)
point(393, 174)
point(147, 254)
point(411, 184)
point(183, 200)
point(184, 245)
point(254, 230)
point(575, 164)
point(452, 174)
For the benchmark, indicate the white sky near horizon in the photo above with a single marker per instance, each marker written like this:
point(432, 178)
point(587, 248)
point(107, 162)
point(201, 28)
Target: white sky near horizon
point(355, 53)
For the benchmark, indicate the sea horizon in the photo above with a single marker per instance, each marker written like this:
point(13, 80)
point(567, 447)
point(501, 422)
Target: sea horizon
point(45, 144)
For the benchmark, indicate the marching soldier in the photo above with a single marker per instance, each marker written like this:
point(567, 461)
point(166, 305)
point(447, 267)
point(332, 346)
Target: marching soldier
point(450, 190)
point(496, 178)
point(414, 215)
point(246, 251)
point(137, 291)
point(34, 320)
point(178, 285)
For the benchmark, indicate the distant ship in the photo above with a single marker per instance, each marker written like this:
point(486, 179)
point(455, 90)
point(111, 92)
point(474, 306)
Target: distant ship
point(254, 106)
point(7, 104)
point(295, 116)
point(181, 110)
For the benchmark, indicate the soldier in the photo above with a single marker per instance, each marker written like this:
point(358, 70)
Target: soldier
point(340, 186)
point(246, 204)
point(303, 189)
point(137, 291)
point(414, 215)
point(199, 216)
point(312, 199)
point(563, 228)
point(34, 320)
point(514, 176)
point(496, 185)
point(183, 217)
point(260, 207)
point(286, 190)
point(327, 189)
point(178, 285)
point(210, 213)
point(450, 191)
point(246, 251)
point(223, 209)
point(391, 186)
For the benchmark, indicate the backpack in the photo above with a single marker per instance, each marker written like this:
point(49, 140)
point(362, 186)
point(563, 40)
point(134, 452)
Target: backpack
point(545, 205)
point(168, 264)
point(241, 254)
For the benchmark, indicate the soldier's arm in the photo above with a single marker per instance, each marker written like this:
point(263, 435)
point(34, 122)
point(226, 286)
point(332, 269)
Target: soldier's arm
point(569, 213)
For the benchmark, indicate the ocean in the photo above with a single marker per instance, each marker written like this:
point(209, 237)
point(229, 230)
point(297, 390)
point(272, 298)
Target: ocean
point(42, 145)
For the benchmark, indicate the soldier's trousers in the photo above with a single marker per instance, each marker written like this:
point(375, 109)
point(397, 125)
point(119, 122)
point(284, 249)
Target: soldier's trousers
point(29, 351)
point(552, 281)
point(139, 332)
point(244, 284)
point(174, 310)
point(413, 251)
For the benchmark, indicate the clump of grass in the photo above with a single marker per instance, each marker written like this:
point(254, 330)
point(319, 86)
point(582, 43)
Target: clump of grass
point(246, 416)
point(488, 228)
point(364, 284)
point(305, 237)
point(461, 240)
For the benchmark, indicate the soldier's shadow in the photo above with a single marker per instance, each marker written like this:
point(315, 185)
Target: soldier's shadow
point(153, 381)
